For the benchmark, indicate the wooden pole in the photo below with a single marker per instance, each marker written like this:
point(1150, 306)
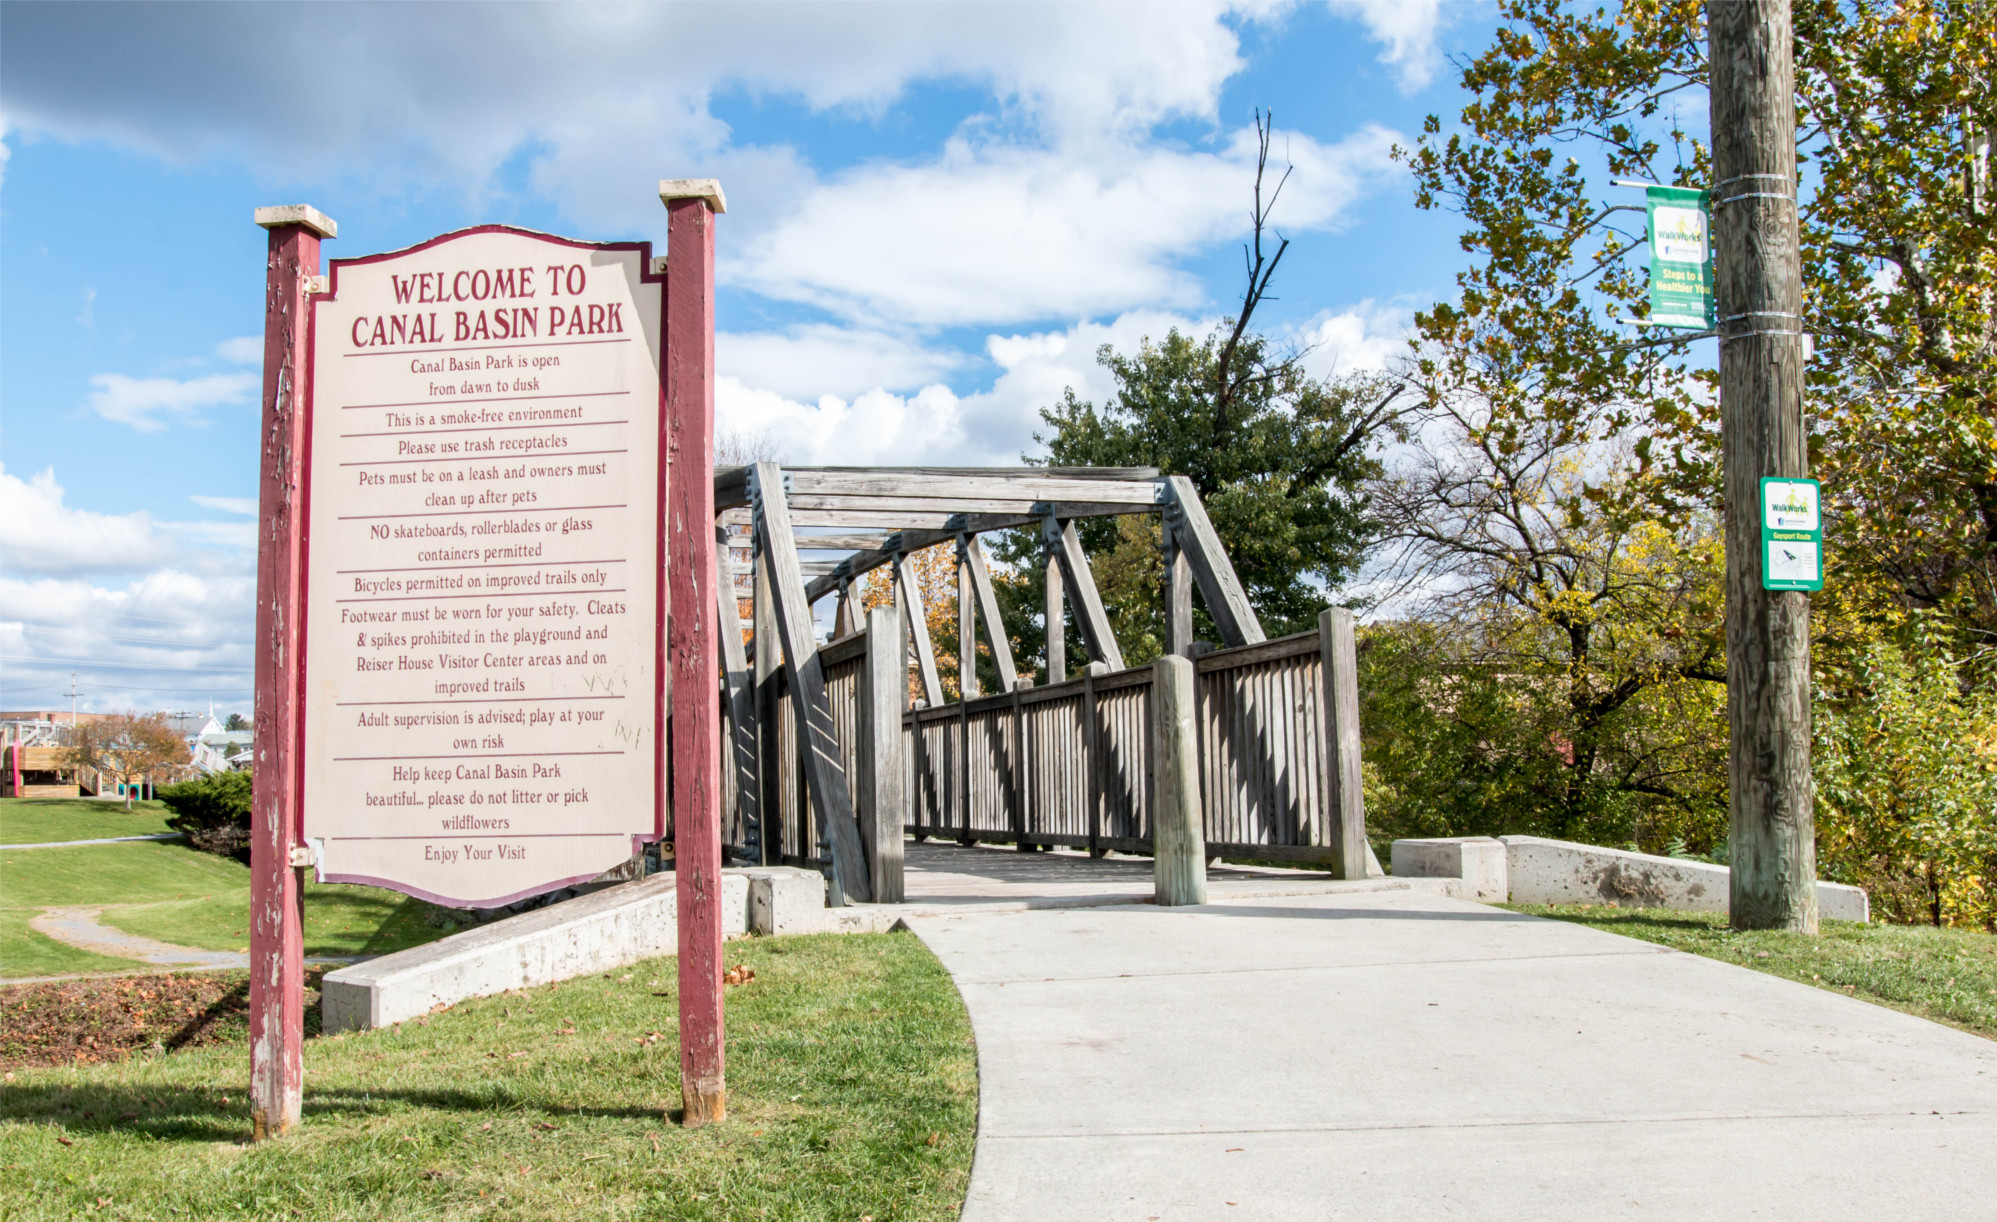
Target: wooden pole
point(1178, 589)
point(277, 884)
point(1057, 619)
point(1345, 798)
point(883, 801)
point(769, 731)
point(1220, 586)
point(1178, 825)
point(908, 594)
point(988, 611)
point(1090, 617)
point(741, 697)
point(691, 647)
point(1759, 291)
point(819, 755)
point(967, 624)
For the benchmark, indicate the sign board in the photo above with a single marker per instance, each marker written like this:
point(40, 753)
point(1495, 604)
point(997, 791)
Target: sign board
point(1681, 257)
point(1792, 534)
point(484, 566)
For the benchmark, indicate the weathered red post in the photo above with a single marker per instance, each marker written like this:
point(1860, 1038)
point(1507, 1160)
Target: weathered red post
point(691, 644)
point(277, 885)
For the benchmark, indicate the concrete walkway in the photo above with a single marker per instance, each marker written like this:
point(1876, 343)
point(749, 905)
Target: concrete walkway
point(956, 878)
point(1396, 1054)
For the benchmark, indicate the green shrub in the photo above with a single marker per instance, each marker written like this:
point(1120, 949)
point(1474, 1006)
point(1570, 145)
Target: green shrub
point(1906, 772)
point(213, 811)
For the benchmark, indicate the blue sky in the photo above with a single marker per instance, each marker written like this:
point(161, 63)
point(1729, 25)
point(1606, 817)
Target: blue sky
point(937, 213)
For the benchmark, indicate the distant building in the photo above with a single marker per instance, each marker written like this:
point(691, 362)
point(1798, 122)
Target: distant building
point(218, 750)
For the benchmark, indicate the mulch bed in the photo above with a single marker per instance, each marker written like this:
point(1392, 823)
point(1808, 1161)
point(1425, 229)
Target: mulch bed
point(80, 1022)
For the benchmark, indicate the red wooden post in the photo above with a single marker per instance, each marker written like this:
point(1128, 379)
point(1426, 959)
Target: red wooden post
point(691, 645)
point(277, 887)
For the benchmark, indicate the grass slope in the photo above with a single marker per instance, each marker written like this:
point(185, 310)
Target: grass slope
point(47, 820)
point(177, 894)
point(852, 1093)
point(1947, 975)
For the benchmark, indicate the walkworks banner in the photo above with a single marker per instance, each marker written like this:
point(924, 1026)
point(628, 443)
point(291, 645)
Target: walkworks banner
point(1681, 257)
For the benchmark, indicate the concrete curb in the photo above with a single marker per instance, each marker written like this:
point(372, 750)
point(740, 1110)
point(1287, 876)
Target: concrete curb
point(607, 929)
point(1535, 870)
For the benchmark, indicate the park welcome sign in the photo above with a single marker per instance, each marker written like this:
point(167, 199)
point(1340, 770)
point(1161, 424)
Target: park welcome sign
point(485, 566)
point(487, 478)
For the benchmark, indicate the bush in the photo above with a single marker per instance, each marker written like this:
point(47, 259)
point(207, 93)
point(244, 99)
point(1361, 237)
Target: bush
point(1906, 772)
point(213, 811)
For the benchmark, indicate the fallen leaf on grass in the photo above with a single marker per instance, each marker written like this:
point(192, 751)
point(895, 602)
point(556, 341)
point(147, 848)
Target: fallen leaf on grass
point(64, 1141)
point(548, 1127)
point(933, 1139)
point(741, 973)
point(514, 1056)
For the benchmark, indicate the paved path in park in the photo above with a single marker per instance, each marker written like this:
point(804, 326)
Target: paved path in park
point(1369, 1052)
point(70, 844)
point(80, 928)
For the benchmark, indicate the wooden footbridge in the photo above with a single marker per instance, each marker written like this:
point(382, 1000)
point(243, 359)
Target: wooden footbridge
point(833, 764)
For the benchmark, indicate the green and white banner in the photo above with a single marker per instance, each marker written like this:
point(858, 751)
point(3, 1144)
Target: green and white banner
point(1792, 534)
point(1681, 257)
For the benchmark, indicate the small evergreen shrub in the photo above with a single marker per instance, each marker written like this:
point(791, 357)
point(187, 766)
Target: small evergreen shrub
point(213, 811)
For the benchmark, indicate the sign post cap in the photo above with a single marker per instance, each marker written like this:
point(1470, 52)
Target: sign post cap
point(708, 189)
point(298, 214)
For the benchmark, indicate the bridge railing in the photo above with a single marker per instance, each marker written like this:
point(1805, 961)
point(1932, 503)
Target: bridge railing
point(1069, 764)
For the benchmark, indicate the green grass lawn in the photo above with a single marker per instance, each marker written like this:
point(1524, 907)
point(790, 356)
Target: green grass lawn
point(1948, 975)
point(177, 894)
point(852, 1093)
point(47, 820)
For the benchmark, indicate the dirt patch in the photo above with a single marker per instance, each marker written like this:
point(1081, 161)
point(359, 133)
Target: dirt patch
point(79, 1022)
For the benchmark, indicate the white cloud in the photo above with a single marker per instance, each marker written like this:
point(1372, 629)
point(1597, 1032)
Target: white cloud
point(242, 350)
point(1408, 28)
point(143, 402)
point(1000, 233)
point(580, 83)
point(176, 635)
point(171, 639)
point(40, 534)
point(934, 425)
point(820, 358)
point(245, 505)
point(1361, 339)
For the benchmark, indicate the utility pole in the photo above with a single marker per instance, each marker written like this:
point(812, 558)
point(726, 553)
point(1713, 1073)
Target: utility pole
point(1759, 290)
point(72, 700)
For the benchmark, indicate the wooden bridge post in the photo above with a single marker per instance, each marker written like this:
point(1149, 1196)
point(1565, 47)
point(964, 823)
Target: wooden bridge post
point(769, 733)
point(882, 800)
point(739, 689)
point(1057, 620)
point(1226, 600)
point(1178, 825)
point(1178, 592)
point(820, 758)
point(1345, 801)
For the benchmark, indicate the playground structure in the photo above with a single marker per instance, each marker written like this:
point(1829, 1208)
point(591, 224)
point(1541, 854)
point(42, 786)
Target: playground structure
point(830, 763)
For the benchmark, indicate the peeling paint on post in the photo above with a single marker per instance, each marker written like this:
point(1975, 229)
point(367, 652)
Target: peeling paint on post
point(277, 941)
point(692, 648)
